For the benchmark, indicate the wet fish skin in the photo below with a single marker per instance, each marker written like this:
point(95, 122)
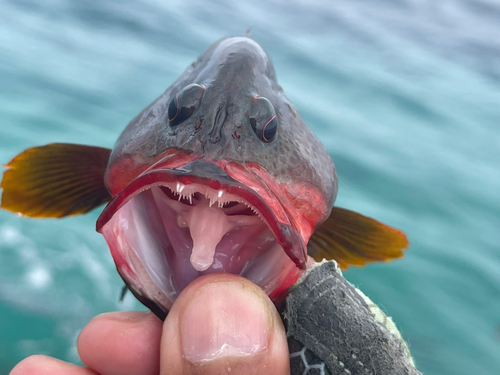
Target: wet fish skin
point(229, 86)
point(234, 72)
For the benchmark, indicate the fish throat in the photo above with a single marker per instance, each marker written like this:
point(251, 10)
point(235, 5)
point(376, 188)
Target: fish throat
point(166, 233)
point(210, 216)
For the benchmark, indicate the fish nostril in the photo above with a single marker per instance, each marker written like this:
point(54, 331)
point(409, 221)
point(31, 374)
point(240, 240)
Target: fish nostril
point(220, 117)
point(215, 139)
point(219, 121)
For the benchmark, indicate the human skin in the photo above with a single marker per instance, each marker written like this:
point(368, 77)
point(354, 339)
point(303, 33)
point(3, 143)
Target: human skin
point(220, 324)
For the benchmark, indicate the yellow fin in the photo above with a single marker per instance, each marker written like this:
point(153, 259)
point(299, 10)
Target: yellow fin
point(56, 180)
point(353, 239)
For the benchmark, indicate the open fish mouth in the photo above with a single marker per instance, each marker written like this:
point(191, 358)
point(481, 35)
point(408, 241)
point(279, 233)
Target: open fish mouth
point(170, 226)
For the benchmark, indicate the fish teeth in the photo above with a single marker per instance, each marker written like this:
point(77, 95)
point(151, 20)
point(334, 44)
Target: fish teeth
point(180, 187)
point(219, 197)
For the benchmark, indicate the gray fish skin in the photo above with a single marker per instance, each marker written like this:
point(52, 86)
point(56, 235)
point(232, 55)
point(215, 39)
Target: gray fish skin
point(234, 72)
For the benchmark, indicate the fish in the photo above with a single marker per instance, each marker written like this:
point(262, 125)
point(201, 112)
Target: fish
point(219, 174)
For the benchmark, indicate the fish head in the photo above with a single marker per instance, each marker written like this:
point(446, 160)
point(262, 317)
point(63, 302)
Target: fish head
point(219, 174)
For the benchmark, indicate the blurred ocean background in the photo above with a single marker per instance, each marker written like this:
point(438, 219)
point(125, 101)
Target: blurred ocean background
point(405, 94)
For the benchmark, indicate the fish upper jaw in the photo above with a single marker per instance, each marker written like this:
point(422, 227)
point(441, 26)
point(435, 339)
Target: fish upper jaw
point(170, 226)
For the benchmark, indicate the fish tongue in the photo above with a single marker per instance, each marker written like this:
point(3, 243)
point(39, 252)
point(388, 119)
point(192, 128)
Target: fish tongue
point(207, 226)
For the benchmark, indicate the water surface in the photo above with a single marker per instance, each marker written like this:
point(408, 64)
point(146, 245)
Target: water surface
point(404, 94)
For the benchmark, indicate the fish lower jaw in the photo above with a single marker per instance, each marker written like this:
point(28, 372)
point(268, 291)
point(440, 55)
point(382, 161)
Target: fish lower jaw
point(170, 233)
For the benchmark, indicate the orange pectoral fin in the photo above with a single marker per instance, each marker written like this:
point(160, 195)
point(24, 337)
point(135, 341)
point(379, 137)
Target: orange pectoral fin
point(353, 239)
point(56, 180)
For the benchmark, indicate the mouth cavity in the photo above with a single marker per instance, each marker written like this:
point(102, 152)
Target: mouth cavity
point(170, 226)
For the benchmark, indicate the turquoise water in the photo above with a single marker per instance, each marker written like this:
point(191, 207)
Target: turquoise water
point(404, 94)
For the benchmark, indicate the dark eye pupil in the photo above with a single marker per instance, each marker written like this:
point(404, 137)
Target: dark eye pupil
point(270, 129)
point(267, 132)
point(176, 115)
point(173, 109)
point(184, 103)
point(263, 120)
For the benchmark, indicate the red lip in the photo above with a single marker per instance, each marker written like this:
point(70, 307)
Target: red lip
point(210, 175)
point(133, 223)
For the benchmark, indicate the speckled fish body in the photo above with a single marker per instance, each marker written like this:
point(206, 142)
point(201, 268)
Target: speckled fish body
point(290, 181)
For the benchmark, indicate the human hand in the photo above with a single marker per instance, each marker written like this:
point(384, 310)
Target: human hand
point(220, 324)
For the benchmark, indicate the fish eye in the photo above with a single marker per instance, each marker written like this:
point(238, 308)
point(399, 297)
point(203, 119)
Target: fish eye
point(263, 120)
point(184, 103)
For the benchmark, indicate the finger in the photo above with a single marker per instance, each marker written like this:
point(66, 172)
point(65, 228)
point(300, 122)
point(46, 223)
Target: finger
point(43, 365)
point(223, 324)
point(124, 343)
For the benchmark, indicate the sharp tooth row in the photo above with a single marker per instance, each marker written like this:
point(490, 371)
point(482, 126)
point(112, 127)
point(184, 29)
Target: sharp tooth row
point(214, 197)
point(178, 191)
point(180, 187)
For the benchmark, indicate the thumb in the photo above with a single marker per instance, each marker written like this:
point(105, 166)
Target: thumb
point(223, 324)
